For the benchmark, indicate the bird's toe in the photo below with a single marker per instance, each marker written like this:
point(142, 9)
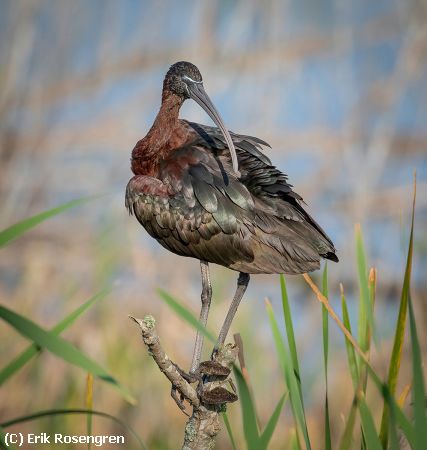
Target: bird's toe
point(213, 368)
point(190, 377)
point(179, 399)
point(217, 396)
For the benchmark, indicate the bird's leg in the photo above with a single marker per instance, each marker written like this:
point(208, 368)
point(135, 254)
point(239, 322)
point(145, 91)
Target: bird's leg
point(242, 284)
point(206, 297)
point(204, 312)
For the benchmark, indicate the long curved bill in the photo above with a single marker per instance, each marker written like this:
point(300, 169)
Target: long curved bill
point(198, 94)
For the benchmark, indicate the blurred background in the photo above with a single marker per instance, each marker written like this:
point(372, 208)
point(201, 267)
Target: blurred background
point(339, 90)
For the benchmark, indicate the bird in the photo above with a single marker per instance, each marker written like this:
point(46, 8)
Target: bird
point(207, 193)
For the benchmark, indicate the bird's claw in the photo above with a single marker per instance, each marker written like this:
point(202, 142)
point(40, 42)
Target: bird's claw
point(179, 399)
point(217, 396)
point(189, 377)
point(208, 370)
point(213, 368)
point(175, 394)
point(214, 372)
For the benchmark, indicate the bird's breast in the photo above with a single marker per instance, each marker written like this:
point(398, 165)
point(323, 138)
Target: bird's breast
point(160, 210)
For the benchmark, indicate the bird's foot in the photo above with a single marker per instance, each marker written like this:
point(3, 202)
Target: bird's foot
point(211, 390)
point(189, 377)
point(178, 398)
point(213, 368)
point(211, 377)
point(217, 396)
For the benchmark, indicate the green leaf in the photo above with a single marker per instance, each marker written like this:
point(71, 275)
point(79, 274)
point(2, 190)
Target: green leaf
point(229, 430)
point(250, 426)
point(58, 412)
point(278, 340)
point(295, 444)
point(290, 335)
point(366, 318)
point(289, 325)
point(61, 348)
point(325, 329)
point(325, 323)
point(185, 314)
point(291, 378)
point(89, 405)
point(351, 355)
point(418, 387)
point(394, 439)
point(347, 436)
point(267, 434)
point(401, 420)
point(370, 433)
point(418, 390)
point(34, 349)
point(16, 230)
point(396, 355)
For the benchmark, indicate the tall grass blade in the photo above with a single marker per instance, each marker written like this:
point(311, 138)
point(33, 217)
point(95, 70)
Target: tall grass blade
point(397, 415)
point(289, 326)
point(89, 405)
point(278, 340)
point(363, 374)
point(34, 349)
point(394, 439)
point(291, 343)
point(59, 412)
point(267, 434)
point(418, 390)
point(249, 415)
point(322, 299)
point(366, 317)
point(325, 322)
point(368, 334)
point(351, 356)
point(325, 329)
point(185, 314)
point(347, 436)
point(291, 378)
point(229, 430)
point(295, 445)
point(401, 419)
point(369, 432)
point(61, 348)
point(14, 231)
point(238, 342)
point(396, 354)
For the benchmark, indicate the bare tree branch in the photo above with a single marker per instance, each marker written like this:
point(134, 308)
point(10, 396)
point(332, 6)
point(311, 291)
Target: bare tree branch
point(210, 396)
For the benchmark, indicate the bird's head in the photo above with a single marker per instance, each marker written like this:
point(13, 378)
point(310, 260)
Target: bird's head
point(180, 77)
point(184, 80)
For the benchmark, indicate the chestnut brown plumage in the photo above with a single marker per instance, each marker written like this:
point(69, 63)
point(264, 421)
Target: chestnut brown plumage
point(211, 194)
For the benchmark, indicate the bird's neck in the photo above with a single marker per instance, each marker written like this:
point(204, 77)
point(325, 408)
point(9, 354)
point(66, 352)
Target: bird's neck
point(157, 144)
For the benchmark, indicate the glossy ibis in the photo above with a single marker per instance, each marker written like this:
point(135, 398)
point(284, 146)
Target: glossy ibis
point(210, 194)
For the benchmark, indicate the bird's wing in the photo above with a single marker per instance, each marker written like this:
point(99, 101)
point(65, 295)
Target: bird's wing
point(191, 209)
point(276, 203)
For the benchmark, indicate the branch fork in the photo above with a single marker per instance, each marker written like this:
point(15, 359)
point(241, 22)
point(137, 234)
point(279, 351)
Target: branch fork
point(210, 395)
